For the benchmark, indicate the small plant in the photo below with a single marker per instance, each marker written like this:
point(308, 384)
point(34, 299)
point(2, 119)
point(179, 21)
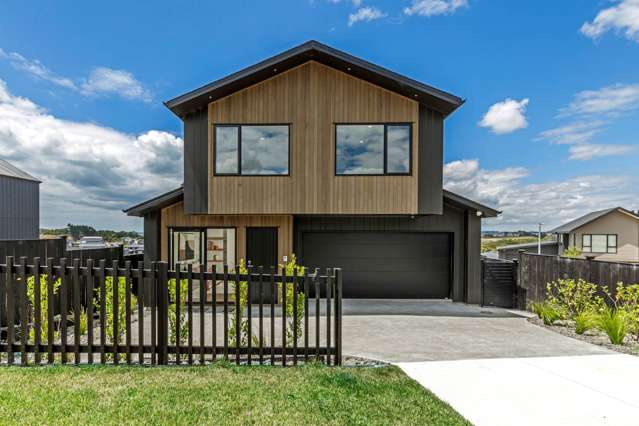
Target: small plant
point(292, 268)
point(613, 322)
point(44, 306)
point(173, 310)
point(108, 304)
point(585, 321)
point(572, 252)
point(241, 291)
point(546, 311)
point(572, 297)
point(627, 300)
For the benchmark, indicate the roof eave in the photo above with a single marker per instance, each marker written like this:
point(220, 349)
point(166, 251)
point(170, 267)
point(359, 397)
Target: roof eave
point(486, 211)
point(436, 99)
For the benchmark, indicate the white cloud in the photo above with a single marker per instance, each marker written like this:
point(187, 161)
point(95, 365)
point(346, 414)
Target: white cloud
point(89, 172)
point(506, 116)
point(365, 14)
point(434, 7)
point(36, 69)
point(623, 17)
point(588, 151)
point(610, 100)
point(101, 80)
point(552, 203)
point(577, 132)
point(356, 3)
point(119, 82)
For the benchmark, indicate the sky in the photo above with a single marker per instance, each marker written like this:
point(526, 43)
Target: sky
point(548, 132)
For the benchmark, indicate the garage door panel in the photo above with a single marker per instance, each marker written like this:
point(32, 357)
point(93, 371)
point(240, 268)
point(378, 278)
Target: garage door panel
point(384, 264)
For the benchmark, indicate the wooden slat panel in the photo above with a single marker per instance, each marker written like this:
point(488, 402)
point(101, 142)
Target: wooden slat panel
point(312, 97)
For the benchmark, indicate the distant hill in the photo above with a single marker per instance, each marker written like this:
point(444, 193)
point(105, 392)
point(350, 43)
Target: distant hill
point(79, 231)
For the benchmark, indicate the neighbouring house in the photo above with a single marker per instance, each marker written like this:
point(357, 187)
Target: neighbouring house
point(19, 204)
point(319, 153)
point(512, 251)
point(611, 234)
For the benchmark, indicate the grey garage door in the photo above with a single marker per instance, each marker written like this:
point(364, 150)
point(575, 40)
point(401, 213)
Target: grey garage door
point(396, 265)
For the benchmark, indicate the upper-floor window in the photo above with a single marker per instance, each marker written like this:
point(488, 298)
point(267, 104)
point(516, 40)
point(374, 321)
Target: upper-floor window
point(251, 150)
point(599, 243)
point(373, 149)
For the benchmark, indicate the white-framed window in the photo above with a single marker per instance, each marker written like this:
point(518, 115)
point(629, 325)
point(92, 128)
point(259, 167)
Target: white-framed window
point(599, 243)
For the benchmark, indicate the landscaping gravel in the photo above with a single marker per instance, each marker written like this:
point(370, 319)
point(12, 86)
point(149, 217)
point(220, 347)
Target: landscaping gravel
point(596, 337)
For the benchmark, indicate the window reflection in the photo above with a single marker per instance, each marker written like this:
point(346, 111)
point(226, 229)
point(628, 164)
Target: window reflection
point(264, 150)
point(226, 149)
point(398, 149)
point(359, 149)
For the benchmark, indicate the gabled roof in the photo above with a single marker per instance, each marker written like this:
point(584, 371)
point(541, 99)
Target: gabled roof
point(434, 98)
point(587, 218)
point(176, 195)
point(156, 203)
point(8, 169)
point(470, 204)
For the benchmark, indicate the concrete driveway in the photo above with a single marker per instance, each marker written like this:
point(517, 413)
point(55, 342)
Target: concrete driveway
point(494, 367)
point(436, 330)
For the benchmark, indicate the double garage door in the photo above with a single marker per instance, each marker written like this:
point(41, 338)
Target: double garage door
point(392, 265)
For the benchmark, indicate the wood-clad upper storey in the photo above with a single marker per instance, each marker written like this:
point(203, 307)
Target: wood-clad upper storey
point(312, 98)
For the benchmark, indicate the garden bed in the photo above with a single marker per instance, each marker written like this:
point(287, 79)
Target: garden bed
point(593, 336)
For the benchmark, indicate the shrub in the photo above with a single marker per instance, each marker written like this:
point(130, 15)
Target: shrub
point(546, 311)
point(44, 306)
point(572, 297)
point(572, 252)
point(627, 301)
point(108, 304)
point(173, 310)
point(292, 268)
point(585, 321)
point(612, 321)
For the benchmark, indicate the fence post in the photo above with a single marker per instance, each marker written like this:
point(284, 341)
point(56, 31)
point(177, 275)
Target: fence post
point(162, 324)
point(590, 260)
point(338, 316)
point(483, 278)
point(515, 302)
point(521, 295)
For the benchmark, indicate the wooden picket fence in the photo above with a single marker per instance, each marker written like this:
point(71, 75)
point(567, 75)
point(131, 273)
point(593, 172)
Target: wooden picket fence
point(153, 315)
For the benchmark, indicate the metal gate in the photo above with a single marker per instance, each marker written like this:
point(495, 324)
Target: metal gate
point(499, 283)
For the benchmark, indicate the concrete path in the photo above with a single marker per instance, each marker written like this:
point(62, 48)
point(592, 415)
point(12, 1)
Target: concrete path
point(567, 390)
point(493, 366)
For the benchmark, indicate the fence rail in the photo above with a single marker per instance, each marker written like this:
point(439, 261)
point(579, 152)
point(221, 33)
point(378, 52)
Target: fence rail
point(72, 313)
point(536, 270)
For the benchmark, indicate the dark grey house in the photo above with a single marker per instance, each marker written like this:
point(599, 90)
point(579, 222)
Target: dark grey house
point(322, 154)
point(19, 204)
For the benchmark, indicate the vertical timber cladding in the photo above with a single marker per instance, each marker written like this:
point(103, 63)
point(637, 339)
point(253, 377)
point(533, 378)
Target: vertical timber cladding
point(312, 98)
point(174, 216)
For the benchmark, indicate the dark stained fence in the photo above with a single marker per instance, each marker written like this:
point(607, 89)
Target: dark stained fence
point(499, 283)
point(107, 253)
point(44, 249)
point(535, 271)
point(96, 317)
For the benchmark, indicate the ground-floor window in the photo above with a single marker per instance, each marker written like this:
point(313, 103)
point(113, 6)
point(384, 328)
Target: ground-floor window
point(209, 247)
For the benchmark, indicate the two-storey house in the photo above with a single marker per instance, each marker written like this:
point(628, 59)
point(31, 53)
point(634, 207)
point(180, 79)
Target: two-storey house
point(319, 153)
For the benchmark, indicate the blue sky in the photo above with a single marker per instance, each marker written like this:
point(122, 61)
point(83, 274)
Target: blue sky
point(94, 76)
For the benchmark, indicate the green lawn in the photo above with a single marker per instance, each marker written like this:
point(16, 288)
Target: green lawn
point(220, 394)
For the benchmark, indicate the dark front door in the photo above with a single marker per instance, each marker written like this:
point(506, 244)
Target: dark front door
point(261, 250)
point(393, 265)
